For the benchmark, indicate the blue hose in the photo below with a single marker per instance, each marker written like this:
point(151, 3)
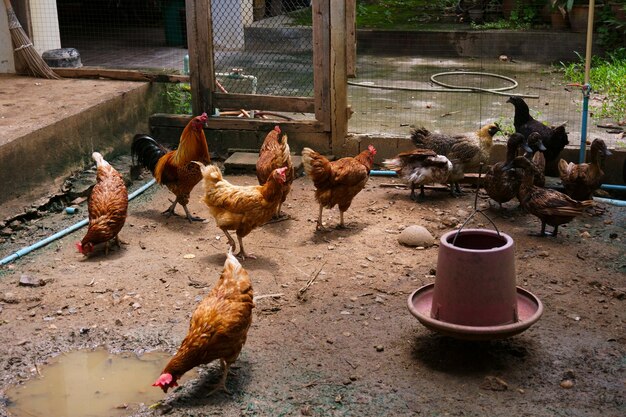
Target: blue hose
point(58, 235)
point(612, 201)
point(383, 173)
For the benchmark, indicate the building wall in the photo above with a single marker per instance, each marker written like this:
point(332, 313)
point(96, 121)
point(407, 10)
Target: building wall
point(7, 65)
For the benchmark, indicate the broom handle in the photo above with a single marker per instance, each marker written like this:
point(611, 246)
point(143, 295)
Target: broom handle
point(13, 22)
point(7, 4)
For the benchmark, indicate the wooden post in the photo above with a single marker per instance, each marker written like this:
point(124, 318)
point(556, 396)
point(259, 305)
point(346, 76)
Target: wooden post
point(321, 61)
point(351, 38)
point(200, 47)
point(339, 111)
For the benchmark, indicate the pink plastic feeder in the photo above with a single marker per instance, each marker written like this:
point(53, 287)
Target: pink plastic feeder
point(474, 295)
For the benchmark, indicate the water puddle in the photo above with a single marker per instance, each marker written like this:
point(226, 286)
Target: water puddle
point(90, 383)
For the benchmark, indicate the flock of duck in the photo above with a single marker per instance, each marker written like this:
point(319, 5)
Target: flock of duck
point(531, 152)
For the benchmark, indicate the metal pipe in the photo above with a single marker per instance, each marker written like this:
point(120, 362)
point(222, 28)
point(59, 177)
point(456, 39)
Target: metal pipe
point(28, 249)
point(587, 85)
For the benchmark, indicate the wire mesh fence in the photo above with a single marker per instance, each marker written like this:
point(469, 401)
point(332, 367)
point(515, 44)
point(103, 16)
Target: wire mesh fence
point(265, 47)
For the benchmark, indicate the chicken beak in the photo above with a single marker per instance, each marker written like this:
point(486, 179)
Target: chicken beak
point(607, 152)
point(541, 147)
point(527, 148)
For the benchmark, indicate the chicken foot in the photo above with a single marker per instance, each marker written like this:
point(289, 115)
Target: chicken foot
point(543, 231)
point(221, 385)
point(170, 211)
point(242, 253)
point(421, 197)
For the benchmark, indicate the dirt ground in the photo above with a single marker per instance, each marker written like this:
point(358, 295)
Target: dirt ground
point(349, 346)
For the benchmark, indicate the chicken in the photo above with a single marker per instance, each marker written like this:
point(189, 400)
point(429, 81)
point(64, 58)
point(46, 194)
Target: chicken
point(501, 183)
point(241, 208)
point(553, 138)
point(536, 156)
point(275, 153)
point(175, 169)
point(550, 206)
point(337, 182)
point(108, 205)
point(581, 180)
point(466, 152)
point(420, 167)
point(218, 327)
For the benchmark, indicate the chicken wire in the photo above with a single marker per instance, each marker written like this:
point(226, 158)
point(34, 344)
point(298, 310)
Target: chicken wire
point(265, 47)
point(394, 92)
point(258, 47)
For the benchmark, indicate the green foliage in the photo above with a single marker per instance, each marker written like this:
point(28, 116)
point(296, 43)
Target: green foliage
point(607, 77)
point(178, 97)
point(399, 14)
point(611, 30)
point(501, 24)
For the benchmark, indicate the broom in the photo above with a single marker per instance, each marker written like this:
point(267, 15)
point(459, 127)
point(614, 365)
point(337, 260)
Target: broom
point(24, 47)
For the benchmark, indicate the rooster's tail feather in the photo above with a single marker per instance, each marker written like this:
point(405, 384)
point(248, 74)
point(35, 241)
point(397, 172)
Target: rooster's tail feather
point(147, 151)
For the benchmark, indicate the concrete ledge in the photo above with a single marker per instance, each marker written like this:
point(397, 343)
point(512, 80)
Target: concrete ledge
point(31, 162)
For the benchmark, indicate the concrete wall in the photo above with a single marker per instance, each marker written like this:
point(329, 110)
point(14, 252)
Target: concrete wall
point(37, 159)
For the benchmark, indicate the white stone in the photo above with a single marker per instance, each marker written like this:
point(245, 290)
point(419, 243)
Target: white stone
point(416, 236)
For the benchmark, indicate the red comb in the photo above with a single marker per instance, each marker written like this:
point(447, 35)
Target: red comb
point(372, 149)
point(277, 128)
point(79, 246)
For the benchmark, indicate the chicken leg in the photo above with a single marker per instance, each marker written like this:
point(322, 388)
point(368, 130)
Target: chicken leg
point(221, 385)
point(170, 211)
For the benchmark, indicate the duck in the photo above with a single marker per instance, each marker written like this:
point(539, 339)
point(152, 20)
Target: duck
point(581, 180)
point(554, 138)
point(465, 151)
point(420, 167)
point(552, 207)
point(537, 157)
point(501, 183)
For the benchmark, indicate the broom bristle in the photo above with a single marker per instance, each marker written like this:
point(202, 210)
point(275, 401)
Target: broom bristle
point(24, 48)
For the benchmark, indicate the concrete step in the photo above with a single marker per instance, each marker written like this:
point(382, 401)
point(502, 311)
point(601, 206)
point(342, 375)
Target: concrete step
point(245, 162)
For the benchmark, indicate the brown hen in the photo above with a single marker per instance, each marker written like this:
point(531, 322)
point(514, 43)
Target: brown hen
point(275, 153)
point(337, 182)
point(241, 208)
point(218, 328)
point(108, 205)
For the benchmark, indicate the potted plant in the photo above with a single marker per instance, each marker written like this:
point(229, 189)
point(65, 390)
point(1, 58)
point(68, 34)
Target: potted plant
point(577, 12)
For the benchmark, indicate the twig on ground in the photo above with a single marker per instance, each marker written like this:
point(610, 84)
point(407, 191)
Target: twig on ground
point(196, 284)
point(259, 297)
point(302, 290)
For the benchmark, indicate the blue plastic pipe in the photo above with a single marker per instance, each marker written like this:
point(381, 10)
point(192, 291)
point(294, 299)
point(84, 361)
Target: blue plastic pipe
point(382, 173)
point(619, 203)
point(583, 126)
point(58, 235)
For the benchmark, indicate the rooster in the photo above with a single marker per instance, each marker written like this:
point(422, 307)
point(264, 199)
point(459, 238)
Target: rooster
point(275, 153)
point(554, 139)
point(218, 327)
point(241, 208)
point(175, 169)
point(420, 167)
point(466, 152)
point(108, 205)
point(337, 182)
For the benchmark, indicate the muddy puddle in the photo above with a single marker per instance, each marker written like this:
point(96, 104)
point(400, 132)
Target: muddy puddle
point(90, 383)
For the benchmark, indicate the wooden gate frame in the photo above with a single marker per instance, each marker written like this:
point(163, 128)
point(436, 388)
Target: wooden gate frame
point(334, 56)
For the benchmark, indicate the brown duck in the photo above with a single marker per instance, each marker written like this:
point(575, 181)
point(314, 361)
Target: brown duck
point(501, 183)
point(581, 180)
point(550, 206)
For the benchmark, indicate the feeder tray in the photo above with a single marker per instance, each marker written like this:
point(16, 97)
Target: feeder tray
point(474, 295)
point(529, 310)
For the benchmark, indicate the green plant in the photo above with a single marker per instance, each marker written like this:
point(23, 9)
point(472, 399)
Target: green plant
point(178, 97)
point(608, 78)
